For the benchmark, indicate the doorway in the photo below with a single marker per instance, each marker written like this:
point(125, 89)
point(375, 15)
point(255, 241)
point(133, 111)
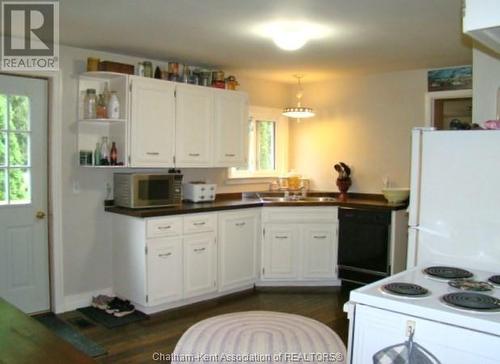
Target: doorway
point(453, 113)
point(24, 250)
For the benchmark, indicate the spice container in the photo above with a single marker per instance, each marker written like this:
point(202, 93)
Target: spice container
point(148, 69)
point(93, 64)
point(89, 104)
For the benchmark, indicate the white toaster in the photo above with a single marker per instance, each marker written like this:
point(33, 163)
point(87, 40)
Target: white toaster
point(198, 191)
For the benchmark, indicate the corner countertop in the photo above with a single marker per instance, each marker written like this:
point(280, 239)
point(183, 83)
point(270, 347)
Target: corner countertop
point(232, 201)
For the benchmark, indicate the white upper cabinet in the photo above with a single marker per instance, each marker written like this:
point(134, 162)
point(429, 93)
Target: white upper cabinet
point(238, 237)
point(231, 129)
point(193, 124)
point(152, 123)
point(482, 22)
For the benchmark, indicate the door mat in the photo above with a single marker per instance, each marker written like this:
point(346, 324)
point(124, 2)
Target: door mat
point(71, 335)
point(110, 321)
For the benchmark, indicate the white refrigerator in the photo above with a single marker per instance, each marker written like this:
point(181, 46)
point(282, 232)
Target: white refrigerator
point(455, 199)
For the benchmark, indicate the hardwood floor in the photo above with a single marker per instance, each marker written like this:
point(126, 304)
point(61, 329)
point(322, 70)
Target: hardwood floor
point(136, 342)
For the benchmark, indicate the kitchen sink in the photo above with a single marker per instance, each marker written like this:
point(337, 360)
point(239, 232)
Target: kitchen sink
point(297, 199)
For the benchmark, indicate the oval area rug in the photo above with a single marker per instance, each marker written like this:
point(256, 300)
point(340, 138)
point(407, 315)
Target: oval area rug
point(259, 337)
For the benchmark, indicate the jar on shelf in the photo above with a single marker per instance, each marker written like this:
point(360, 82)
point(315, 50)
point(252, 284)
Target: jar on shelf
point(89, 104)
point(148, 69)
point(113, 107)
point(101, 109)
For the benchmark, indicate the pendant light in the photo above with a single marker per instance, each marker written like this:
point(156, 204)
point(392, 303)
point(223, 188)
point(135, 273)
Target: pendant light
point(299, 111)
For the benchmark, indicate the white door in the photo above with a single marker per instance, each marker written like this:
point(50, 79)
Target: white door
point(152, 123)
point(319, 251)
point(200, 264)
point(193, 126)
point(24, 261)
point(238, 233)
point(231, 129)
point(164, 270)
point(280, 252)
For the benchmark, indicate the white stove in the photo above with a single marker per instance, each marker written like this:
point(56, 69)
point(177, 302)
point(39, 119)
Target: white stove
point(380, 319)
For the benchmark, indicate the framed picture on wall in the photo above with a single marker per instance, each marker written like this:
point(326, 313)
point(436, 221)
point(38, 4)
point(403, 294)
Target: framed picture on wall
point(446, 79)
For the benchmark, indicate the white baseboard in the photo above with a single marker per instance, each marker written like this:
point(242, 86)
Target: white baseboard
point(79, 300)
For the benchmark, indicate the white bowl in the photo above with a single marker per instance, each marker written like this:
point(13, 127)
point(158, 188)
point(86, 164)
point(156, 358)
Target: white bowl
point(396, 195)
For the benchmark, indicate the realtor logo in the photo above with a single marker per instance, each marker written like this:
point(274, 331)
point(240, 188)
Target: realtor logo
point(30, 36)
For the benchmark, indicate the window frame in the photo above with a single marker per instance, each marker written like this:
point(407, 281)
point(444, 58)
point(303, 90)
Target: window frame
point(281, 147)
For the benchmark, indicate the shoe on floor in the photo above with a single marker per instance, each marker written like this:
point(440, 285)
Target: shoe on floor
point(101, 302)
point(119, 307)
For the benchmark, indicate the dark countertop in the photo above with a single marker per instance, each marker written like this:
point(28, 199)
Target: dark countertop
point(236, 201)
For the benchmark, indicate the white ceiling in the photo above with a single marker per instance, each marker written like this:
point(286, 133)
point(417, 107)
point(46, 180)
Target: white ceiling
point(367, 35)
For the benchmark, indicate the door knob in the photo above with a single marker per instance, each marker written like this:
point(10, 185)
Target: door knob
point(40, 215)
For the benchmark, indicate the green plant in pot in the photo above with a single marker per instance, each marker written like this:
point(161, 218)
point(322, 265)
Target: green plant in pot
point(344, 179)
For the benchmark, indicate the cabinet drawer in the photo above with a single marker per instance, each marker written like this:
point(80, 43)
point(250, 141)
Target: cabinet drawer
point(156, 228)
point(292, 215)
point(199, 223)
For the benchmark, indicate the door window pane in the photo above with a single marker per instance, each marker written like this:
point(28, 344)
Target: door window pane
point(3, 187)
point(19, 185)
point(18, 149)
point(3, 111)
point(3, 149)
point(19, 113)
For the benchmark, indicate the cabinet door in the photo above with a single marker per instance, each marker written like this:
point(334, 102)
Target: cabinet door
point(238, 234)
point(280, 252)
point(231, 129)
point(152, 119)
point(319, 251)
point(200, 265)
point(164, 270)
point(193, 126)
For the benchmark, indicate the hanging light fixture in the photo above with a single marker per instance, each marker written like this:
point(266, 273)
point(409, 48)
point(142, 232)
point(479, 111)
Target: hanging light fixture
point(299, 111)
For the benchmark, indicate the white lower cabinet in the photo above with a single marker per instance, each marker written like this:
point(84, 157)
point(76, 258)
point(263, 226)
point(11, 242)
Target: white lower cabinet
point(280, 252)
point(164, 270)
point(200, 264)
point(299, 244)
point(319, 251)
point(238, 244)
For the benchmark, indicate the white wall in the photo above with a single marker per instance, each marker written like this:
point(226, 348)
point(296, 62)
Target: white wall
point(486, 82)
point(86, 227)
point(364, 122)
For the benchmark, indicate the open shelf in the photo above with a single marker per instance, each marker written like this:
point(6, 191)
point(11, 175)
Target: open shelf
point(103, 75)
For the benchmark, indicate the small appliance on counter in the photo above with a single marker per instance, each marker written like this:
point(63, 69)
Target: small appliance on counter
point(139, 190)
point(199, 191)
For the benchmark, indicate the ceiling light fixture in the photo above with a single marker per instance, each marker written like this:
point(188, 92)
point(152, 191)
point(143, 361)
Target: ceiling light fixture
point(292, 35)
point(299, 111)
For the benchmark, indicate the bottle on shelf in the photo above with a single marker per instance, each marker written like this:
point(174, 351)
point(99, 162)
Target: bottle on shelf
point(101, 109)
point(104, 161)
point(113, 106)
point(106, 94)
point(89, 104)
point(113, 155)
point(97, 154)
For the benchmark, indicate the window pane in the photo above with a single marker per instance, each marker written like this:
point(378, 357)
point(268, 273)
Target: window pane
point(18, 149)
point(3, 111)
point(19, 185)
point(19, 112)
point(3, 188)
point(3, 149)
point(265, 145)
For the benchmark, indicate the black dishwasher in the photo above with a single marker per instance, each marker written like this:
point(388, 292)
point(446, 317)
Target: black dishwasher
point(363, 255)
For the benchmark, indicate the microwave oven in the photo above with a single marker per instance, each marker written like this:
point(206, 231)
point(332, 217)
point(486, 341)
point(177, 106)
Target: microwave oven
point(135, 190)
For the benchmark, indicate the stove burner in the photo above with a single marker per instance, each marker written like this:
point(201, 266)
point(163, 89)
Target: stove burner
point(470, 285)
point(447, 272)
point(495, 279)
point(405, 289)
point(472, 301)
